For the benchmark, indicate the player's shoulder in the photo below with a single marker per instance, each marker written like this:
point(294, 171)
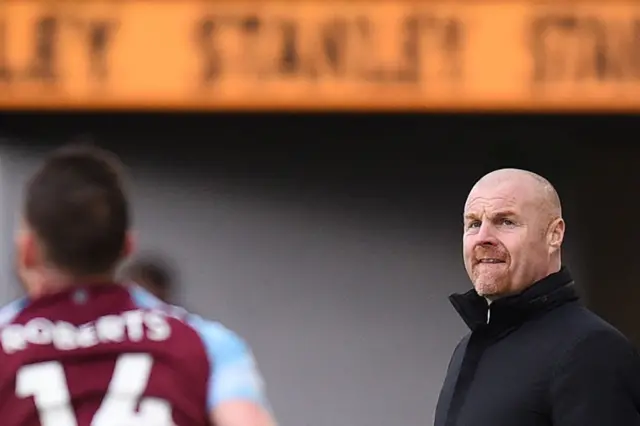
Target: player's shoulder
point(216, 337)
point(221, 343)
point(11, 310)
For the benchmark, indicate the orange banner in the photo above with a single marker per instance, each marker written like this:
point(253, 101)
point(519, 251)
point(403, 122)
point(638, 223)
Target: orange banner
point(320, 54)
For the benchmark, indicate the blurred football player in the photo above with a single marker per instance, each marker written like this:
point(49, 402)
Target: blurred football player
point(152, 272)
point(82, 350)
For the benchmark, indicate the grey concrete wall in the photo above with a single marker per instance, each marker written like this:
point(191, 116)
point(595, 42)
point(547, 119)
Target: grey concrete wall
point(341, 288)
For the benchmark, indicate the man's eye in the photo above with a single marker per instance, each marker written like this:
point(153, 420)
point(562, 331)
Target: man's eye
point(474, 224)
point(508, 222)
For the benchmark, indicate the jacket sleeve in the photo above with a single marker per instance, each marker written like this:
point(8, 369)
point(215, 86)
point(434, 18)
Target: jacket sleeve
point(597, 383)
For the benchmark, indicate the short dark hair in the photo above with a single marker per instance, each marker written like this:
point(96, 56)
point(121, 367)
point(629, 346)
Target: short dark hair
point(153, 272)
point(77, 206)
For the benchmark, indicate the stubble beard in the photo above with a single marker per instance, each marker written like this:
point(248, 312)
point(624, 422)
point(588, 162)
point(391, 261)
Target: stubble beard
point(489, 284)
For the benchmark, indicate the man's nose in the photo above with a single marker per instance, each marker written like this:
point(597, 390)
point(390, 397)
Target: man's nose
point(486, 234)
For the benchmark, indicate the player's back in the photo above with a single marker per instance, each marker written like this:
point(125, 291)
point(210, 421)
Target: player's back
point(96, 356)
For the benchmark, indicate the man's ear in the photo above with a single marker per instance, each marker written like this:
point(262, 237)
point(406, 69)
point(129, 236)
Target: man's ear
point(555, 236)
point(27, 250)
point(129, 247)
point(28, 258)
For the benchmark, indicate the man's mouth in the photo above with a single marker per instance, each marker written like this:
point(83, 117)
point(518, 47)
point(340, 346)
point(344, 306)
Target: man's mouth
point(490, 261)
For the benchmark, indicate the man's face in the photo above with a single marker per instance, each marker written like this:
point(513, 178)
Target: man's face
point(505, 244)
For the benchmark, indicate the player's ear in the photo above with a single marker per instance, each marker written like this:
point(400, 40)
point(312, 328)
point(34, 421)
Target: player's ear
point(130, 245)
point(28, 256)
point(26, 249)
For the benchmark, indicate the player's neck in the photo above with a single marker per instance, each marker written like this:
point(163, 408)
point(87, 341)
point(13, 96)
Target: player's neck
point(55, 281)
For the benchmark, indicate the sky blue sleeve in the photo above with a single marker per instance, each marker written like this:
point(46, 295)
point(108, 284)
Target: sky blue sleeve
point(234, 374)
point(10, 311)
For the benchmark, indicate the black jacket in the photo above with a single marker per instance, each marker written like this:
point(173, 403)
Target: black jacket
point(542, 359)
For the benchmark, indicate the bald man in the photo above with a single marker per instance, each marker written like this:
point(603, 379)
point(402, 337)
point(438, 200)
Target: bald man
point(534, 356)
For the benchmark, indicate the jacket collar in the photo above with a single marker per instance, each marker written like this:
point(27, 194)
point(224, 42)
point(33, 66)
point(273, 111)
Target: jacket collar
point(546, 294)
